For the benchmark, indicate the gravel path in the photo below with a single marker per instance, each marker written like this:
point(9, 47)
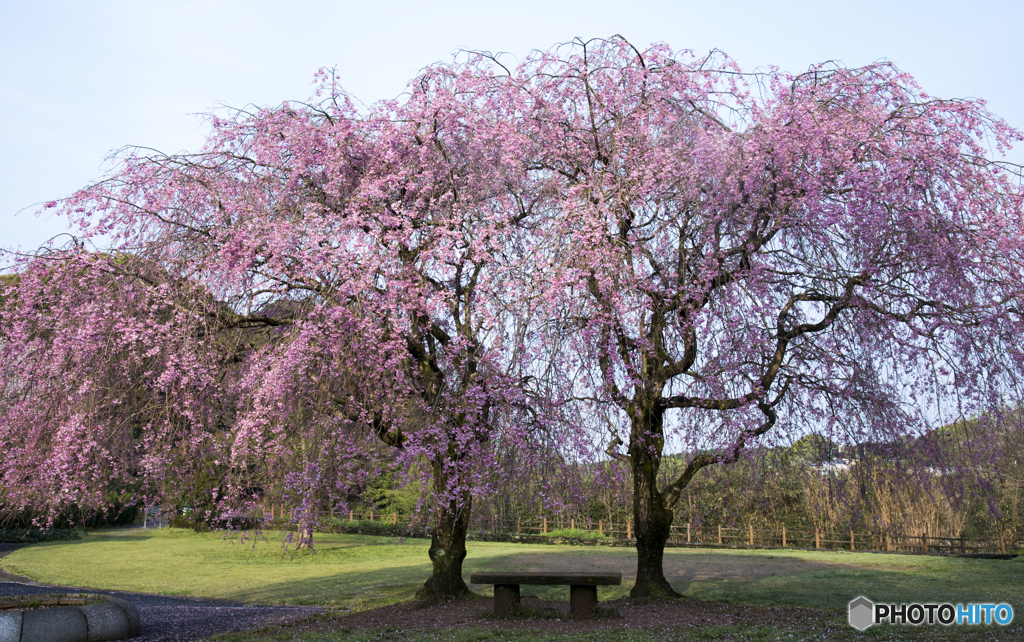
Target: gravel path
point(166, 618)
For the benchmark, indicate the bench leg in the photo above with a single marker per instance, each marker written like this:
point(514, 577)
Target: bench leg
point(506, 598)
point(582, 600)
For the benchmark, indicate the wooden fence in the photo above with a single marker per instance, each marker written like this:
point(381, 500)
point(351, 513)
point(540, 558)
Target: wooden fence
point(849, 540)
point(686, 534)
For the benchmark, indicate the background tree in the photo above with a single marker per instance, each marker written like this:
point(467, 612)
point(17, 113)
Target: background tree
point(106, 376)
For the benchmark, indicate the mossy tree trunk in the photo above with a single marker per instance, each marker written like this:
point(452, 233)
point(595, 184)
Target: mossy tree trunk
point(447, 540)
point(652, 515)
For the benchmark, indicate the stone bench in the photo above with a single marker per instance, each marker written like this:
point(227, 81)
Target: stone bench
point(582, 588)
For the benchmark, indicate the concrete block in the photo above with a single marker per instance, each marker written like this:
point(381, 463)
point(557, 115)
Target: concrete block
point(106, 622)
point(10, 626)
point(134, 620)
point(58, 624)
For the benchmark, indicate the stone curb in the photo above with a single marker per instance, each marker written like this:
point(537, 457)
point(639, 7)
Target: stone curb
point(67, 617)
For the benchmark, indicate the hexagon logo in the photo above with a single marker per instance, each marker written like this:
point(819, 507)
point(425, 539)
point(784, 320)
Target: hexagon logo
point(862, 613)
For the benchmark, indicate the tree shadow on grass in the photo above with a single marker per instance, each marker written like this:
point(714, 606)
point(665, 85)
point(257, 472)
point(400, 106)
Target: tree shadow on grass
point(345, 590)
point(360, 590)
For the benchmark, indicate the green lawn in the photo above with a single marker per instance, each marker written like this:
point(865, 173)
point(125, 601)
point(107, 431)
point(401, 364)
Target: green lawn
point(354, 572)
point(347, 571)
point(351, 570)
point(359, 571)
point(881, 577)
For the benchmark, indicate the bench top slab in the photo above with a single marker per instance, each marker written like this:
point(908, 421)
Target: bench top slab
point(573, 579)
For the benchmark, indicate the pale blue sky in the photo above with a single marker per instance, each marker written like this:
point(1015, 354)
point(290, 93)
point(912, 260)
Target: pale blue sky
point(80, 79)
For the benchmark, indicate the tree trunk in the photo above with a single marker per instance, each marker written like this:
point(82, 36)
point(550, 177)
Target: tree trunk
point(447, 543)
point(651, 517)
point(305, 540)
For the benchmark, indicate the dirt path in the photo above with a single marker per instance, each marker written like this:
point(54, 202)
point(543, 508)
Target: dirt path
point(177, 619)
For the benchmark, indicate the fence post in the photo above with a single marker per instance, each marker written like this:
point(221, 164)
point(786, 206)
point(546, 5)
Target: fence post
point(394, 518)
point(371, 514)
point(851, 540)
point(600, 527)
point(1002, 545)
point(572, 523)
point(545, 525)
point(817, 539)
point(924, 542)
point(719, 534)
point(629, 530)
point(518, 525)
point(783, 537)
point(751, 534)
point(350, 515)
point(962, 551)
point(687, 532)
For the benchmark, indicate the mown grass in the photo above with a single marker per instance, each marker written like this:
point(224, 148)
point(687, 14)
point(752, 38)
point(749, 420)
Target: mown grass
point(881, 577)
point(360, 571)
point(575, 533)
point(355, 572)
